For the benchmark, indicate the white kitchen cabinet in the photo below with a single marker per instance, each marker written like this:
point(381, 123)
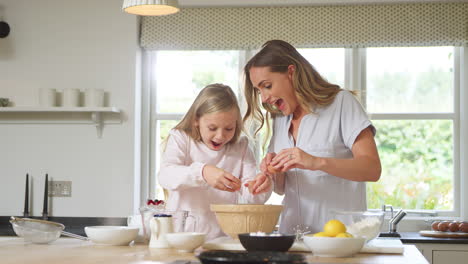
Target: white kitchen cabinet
point(444, 253)
point(97, 116)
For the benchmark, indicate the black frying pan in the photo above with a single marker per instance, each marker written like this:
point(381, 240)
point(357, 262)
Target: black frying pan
point(254, 257)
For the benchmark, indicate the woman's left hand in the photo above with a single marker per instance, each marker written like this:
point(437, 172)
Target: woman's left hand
point(261, 184)
point(295, 157)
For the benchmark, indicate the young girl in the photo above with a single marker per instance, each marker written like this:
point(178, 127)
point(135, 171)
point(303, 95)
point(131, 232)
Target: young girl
point(207, 162)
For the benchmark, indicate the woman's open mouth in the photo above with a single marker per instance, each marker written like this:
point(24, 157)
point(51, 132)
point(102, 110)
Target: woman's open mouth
point(280, 104)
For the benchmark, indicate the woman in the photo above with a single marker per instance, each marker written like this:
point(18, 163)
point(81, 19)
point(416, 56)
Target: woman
point(322, 143)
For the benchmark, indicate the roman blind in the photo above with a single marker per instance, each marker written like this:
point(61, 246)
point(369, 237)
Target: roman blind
point(376, 25)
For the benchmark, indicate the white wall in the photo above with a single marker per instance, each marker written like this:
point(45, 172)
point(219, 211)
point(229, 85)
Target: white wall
point(69, 44)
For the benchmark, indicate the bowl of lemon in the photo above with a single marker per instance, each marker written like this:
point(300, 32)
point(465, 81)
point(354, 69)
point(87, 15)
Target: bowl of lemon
point(334, 241)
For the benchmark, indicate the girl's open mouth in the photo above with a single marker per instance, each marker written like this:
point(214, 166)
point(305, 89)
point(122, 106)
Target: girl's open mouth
point(216, 145)
point(280, 104)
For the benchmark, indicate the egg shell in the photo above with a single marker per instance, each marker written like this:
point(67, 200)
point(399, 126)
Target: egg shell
point(435, 226)
point(444, 226)
point(453, 227)
point(272, 169)
point(463, 227)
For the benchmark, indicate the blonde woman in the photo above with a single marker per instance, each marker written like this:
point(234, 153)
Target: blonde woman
point(322, 143)
point(206, 161)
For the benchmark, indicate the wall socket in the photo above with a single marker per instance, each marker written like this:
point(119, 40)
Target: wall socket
point(60, 188)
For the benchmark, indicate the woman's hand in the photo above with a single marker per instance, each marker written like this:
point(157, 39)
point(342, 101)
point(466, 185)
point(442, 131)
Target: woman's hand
point(266, 163)
point(261, 184)
point(295, 157)
point(221, 179)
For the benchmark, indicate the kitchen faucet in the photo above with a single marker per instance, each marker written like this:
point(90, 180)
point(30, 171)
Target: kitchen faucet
point(393, 222)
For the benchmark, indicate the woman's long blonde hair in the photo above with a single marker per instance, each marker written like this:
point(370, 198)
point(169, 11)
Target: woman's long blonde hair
point(311, 89)
point(213, 98)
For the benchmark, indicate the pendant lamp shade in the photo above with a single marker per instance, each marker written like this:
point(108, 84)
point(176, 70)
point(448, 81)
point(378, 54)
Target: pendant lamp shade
point(151, 7)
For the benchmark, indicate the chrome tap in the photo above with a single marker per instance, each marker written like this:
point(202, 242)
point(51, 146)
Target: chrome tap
point(392, 224)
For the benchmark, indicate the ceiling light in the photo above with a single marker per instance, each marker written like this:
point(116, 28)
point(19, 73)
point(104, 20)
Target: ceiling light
point(151, 7)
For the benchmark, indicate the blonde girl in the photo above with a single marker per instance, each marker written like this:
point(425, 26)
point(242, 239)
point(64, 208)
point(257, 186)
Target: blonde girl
point(207, 161)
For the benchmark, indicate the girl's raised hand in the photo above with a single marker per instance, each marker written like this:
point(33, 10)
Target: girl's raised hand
point(221, 179)
point(261, 184)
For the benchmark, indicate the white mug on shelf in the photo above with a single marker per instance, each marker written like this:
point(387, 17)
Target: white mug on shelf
point(71, 97)
point(47, 97)
point(94, 98)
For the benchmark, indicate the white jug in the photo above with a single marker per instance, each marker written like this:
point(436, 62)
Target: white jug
point(160, 225)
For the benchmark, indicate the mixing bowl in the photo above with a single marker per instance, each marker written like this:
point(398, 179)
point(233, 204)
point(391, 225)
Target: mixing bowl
point(365, 224)
point(235, 219)
point(266, 242)
point(112, 235)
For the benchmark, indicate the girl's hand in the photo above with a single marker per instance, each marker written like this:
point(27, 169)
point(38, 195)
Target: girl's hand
point(220, 179)
point(266, 163)
point(261, 184)
point(295, 157)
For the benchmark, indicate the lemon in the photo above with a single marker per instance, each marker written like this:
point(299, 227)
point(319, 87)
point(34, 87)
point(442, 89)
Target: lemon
point(321, 234)
point(334, 227)
point(344, 235)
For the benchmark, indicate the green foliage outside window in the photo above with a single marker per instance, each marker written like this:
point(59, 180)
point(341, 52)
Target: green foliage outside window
point(417, 165)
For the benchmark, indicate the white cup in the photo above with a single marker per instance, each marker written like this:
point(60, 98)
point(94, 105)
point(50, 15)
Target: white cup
point(47, 97)
point(71, 97)
point(94, 98)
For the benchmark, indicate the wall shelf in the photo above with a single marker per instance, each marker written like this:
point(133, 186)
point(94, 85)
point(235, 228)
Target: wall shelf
point(97, 116)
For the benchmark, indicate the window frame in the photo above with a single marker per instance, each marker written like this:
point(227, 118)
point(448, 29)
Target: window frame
point(355, 79)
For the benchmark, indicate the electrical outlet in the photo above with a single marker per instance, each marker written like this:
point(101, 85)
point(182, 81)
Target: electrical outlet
point(60, 188)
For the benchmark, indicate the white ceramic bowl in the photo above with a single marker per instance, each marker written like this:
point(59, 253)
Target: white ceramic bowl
point(111, 235)
point(185, 241)
point(334, 246)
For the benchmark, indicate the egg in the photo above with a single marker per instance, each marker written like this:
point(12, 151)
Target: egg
point(463, 227)
point(272, 169)
point(435, 225)
point(453, 227)
point(443, 226)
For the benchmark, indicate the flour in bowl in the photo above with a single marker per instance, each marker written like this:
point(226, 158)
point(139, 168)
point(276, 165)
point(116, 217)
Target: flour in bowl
point(368, 227)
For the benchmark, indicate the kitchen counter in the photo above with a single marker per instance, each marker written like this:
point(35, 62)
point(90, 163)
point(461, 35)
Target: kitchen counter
point(13, 250)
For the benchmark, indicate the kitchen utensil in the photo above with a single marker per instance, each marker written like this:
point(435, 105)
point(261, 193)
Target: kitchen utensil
point(4, 102)
point(111, 235)
point(160, 225)
point(361, 223)
point(266, 242)
point(26, 197)
point(40, 231)
point(430, 233)
point(45, 207)
point(183, 221)
point(71, 97)
point(185, 241)
point(235, 219)
point(94, 98)
point(258, 257)
point(47, 97)
point(334, 246)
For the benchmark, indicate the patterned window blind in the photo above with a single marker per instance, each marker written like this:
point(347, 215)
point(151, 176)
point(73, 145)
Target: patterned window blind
point(348, 26)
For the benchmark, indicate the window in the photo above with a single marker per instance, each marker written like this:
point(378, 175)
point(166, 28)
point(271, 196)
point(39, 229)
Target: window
point(410, 94)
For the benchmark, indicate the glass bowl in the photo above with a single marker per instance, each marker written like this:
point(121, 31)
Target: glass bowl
point(365, 224)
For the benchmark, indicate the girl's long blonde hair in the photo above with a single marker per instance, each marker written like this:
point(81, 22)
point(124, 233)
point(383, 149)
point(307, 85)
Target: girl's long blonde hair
point(213, 98)
point(311, 89)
